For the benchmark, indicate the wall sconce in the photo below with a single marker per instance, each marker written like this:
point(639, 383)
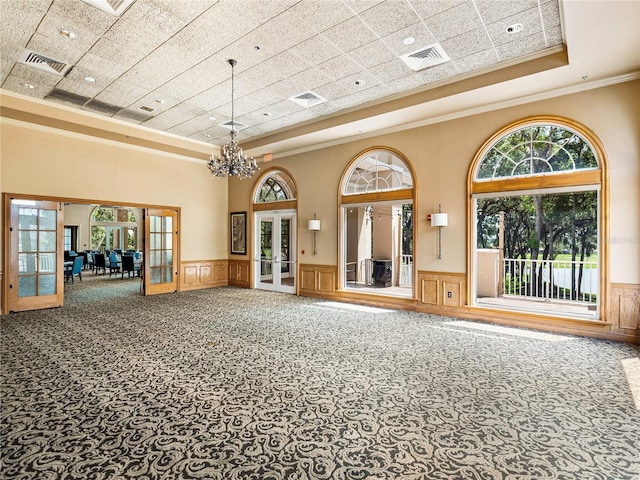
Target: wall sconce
point(314, 226)
point(439, 220)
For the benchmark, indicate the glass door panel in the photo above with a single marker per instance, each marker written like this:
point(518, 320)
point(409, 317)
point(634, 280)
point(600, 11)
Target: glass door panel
point(161, 269)
point(36, 272)
point(275, 263)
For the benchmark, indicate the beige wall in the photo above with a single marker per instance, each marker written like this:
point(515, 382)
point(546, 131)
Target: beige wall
point(441, 155)
point(42, 161)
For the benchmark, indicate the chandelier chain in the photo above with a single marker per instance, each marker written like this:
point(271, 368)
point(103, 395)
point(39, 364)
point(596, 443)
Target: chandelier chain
point(232, 162)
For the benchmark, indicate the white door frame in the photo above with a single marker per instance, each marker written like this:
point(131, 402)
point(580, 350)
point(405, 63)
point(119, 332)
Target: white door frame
point(273, 281)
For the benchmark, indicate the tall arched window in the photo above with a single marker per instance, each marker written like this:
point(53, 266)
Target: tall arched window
point(537, 221)
point(376, 210)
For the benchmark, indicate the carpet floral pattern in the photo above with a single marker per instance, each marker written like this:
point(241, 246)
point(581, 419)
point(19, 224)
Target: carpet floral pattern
point(245, 384)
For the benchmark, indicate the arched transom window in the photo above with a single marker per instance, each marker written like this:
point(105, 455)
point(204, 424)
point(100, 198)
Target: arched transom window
point(537, 150)
point(275, 187)
point(378, 171)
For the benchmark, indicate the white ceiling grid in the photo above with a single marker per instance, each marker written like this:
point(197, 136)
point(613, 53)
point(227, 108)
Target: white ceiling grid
point(171, 56)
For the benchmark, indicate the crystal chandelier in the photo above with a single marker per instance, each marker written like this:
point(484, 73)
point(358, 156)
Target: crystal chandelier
point(232, 161)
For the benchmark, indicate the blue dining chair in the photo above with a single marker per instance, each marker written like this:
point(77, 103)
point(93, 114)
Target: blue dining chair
point(76, 269)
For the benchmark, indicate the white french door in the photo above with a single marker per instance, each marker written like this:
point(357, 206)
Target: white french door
point(275, 251)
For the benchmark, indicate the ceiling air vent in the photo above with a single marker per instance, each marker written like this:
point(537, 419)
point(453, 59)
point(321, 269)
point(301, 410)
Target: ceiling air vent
point(46, 64)
point(308, 99)
point(144, 108)
point(114, 7)
point(237, 126)
point(425, 57)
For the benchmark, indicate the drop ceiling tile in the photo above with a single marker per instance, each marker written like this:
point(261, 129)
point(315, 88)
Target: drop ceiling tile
point(35, 76)
point(522, 46)
point(349, 35)
point(150, 16)
point(185, 10)
point(454, 21)
point(372, 54)
point(359, 6)
point(550, 15)
point(491, 14)
point(282, 108)
point(15, 13)
point(116, 52)
point(530, 20)
point(309, 79)
point(271, 71)
point(121, 93)
point(52, 24)
point(315, 50)
point(100, 67)
point(74, 82)
point(467, 44)
point(423, 37)
point(362, 97)
point(56, 47)
point(281, 33)
point(90, 18)
point(135, 36)
point(427, 8)
point(339, 67)
point(390, 71)
point(14, 82)
point(347, 86)
point(322, 14)
point(477, 61)
point(256, 101)
point(388, 17)
point(554, 36)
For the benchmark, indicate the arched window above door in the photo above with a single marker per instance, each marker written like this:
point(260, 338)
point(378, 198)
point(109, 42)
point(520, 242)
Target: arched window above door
point(276, 186)
point(540, 149)
point(377, 171)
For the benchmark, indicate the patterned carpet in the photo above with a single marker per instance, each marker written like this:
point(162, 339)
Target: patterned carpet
point(245, 384)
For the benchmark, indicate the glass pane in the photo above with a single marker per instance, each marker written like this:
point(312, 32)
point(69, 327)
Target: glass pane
point(47, 219)
point(27, 262)
point(47, 262)
point(155, 276)
point(46, 284)
point(168, 240)
point(27, 286)
point(167, 224)
point(27, 241)
point(156, 258)
point(154, 223)
point(167, 258)
point(156, 240)
point(47, 242)
point(168, 275)
point(28, 218)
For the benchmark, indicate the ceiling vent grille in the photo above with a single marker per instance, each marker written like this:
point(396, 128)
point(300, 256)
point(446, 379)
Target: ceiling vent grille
point(113, 7)
point(425, 57)
point(237, 126)
point(308, 99)
point(43, 63)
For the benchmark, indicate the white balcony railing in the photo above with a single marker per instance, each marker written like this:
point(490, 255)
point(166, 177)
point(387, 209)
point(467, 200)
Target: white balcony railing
point(406, 270)
point(564, 280)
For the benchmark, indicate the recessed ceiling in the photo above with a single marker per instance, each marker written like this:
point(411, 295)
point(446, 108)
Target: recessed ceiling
point(350, 53)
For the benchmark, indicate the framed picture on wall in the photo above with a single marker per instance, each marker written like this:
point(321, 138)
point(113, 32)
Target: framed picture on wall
point(238, 233)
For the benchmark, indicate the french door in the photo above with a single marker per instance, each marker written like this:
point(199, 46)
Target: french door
point(161, 245)
point(36, 262)
point(275, 250)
